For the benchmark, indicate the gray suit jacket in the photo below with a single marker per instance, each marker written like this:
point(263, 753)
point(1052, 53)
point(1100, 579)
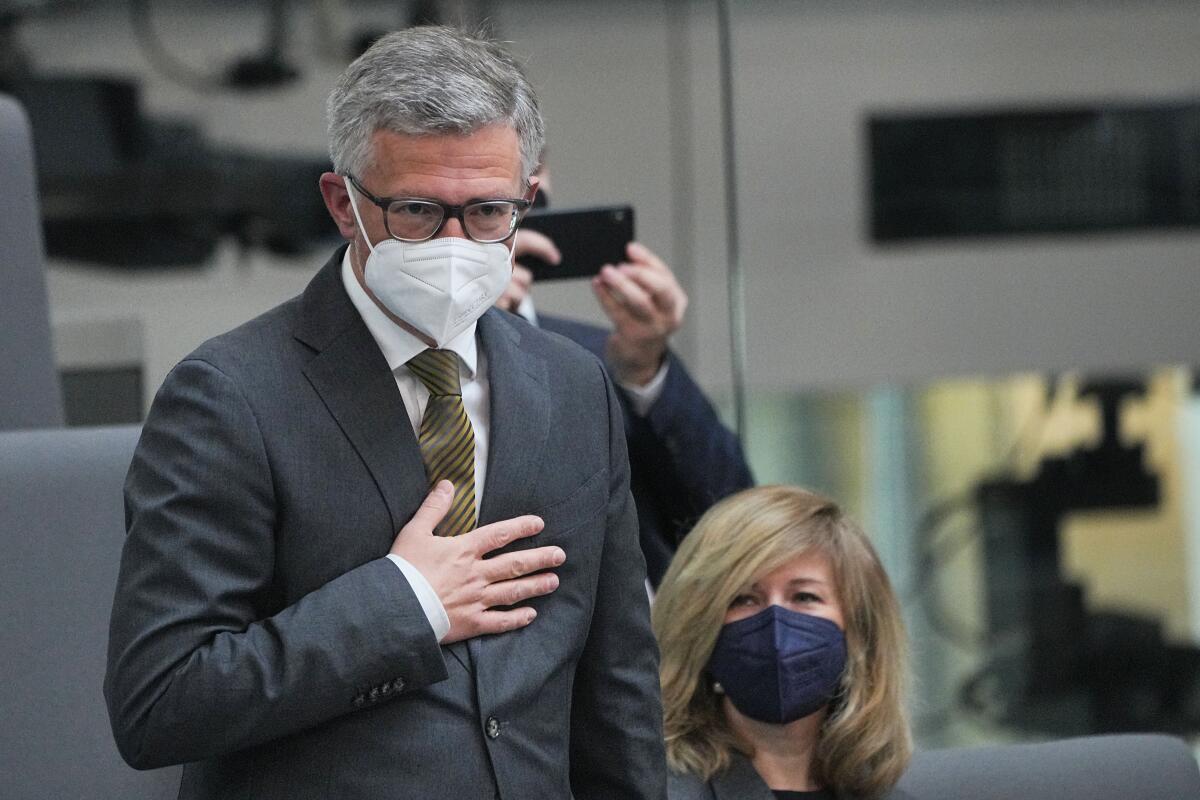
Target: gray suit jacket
point(259, 633)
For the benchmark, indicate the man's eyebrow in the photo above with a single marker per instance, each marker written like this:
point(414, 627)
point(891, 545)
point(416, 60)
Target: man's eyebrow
point(477, 199)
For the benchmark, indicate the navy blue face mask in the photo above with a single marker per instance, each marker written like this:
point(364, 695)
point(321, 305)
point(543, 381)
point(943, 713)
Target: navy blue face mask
point(779, 665)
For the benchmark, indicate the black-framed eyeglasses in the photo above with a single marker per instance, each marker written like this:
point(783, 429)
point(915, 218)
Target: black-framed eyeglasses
point(417, 219)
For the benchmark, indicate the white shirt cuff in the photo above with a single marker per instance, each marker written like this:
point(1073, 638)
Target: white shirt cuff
point(526, 310)
point(431, 604)
point(642, 398)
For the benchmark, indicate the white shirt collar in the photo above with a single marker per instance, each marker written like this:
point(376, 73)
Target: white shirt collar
point(397, 344)
point(525, 309)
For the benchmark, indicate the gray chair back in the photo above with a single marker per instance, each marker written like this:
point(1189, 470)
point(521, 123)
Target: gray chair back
point(62, 524)
point(1127, 767)
point(30, 397)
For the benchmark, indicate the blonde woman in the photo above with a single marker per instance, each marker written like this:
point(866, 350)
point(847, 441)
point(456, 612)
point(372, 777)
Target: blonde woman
point(783, 664)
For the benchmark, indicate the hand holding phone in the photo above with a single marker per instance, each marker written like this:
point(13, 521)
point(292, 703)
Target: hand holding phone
point(587, 239)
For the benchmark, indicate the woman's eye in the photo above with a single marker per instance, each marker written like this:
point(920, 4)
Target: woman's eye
point(806, 597)
point(743, 600)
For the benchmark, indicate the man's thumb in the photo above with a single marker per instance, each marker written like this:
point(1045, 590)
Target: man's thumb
point(434, 507)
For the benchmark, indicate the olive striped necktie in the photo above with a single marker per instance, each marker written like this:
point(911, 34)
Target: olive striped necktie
point(447, 441)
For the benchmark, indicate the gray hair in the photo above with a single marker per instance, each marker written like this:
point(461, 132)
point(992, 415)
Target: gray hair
point(430, 80)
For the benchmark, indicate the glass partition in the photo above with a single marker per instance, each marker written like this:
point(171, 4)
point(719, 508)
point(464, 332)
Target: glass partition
point(1041, 533)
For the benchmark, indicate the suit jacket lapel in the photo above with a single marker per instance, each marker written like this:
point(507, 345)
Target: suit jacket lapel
point(519, 418)
point(352, 378)
point(517, 428)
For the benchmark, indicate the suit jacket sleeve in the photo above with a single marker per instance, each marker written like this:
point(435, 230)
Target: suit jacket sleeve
point(684, 459)
point(203, 659)
point(693, 460)
point(616, 717)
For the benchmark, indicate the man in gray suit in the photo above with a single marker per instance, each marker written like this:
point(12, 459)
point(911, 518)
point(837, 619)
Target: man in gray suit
point(270, 627)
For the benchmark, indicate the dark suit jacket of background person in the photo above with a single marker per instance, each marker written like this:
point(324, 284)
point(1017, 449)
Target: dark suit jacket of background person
point(682, 459)
point(740, 782)
point(259, 632)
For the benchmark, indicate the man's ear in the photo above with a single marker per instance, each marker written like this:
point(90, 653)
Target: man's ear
point(337, 200)
point(531, 192)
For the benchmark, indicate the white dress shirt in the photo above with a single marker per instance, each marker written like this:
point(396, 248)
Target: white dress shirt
point(398, 346)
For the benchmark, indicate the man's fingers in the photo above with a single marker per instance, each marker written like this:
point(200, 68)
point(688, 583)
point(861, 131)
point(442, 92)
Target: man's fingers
point(521, 277)
point(490, 621)
point(517, 289)
point(609, 302)
point(638, 253)
point(515, 565)
point(657, 279)
point(628, 293)
point(502, 621)
point(492, 537)
point(510, 593)
point(533, 243)
point(665, 292)
point(433, 508)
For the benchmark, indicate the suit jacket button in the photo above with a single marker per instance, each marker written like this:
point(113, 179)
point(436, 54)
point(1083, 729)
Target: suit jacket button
point(492, 728)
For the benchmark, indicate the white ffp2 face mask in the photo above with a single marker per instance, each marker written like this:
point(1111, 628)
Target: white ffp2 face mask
point(439, 286)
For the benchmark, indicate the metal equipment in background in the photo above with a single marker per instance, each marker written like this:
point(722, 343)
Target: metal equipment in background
point(125, 188)
point(1051, 664)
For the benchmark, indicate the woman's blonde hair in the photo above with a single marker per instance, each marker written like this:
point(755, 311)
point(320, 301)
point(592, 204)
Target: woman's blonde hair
point(865, 743)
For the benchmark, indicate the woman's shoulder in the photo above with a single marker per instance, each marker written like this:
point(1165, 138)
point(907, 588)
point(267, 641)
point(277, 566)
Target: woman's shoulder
point(739, 781)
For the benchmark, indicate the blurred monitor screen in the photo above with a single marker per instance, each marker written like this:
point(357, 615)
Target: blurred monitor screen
point(1077, 169)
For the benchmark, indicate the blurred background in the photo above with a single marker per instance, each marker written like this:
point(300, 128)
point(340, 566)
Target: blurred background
point(969, 234)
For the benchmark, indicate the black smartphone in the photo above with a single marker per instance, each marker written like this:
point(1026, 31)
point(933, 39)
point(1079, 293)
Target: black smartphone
point(587, 238)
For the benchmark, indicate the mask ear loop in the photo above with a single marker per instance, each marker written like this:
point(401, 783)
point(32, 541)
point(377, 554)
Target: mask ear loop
point(357, 218)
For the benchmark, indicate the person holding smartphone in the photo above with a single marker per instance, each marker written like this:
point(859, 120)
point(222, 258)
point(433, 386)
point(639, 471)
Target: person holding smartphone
point(682, 458)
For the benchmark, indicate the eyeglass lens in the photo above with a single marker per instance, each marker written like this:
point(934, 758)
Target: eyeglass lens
point(487, 221)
